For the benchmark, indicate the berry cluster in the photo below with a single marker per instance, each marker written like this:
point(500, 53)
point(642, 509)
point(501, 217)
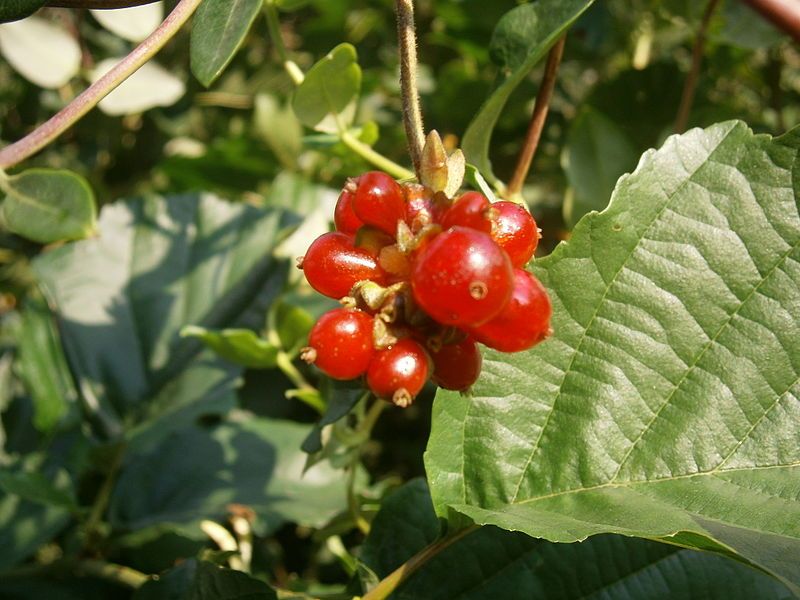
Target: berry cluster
point(422, 278)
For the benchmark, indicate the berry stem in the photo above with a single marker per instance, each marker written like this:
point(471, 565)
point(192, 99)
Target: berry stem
point(412, 113)
point(538, 118)
point(98, 4)
point(371, 156)
point(89, 98)
point(690, 85)
point(391, 582)
point(291, 68)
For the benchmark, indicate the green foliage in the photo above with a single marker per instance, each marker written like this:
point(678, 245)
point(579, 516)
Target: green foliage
point(493, 563)
point(48, 205)
point(239, 346)
point(521, 39)
point(220, 27)
point(324, 100)
point(201, 580)
point(665, 402)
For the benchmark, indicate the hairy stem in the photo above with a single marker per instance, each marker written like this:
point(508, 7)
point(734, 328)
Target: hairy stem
point(784, 14)
point(72, 113)
point(690, 85)
point(404, 571)
point(538, 118)
point(271, 13)
point(412, 113)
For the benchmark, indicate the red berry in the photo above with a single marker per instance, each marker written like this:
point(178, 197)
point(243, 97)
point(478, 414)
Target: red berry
point(515, 232)
point(379, 201)
point(399, 372)
point(462, 277)
point(344, 217)
point(340, 343)
point(333, 265)
point(420, 206)
point(457, 366)
point(469, 210)
point(524, 322)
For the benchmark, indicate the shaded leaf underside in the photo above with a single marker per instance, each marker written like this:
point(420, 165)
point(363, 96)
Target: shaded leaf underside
point(667, 400)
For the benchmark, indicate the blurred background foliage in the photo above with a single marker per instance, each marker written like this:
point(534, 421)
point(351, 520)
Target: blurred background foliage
point(617, 95)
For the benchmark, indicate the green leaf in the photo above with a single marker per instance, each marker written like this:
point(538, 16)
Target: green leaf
point(239, 346)
point(48, 205)
point(520, 40)
point(122, 299)
point(35, 487)
point(218, 31)
point(256, 462)
point(201, 580)
point(292, 324)
point(325, 99)
point(596, 155)
point(340, 398)
point(11, 10)
point(492, 563)
point(43, 368)
point(667, 399)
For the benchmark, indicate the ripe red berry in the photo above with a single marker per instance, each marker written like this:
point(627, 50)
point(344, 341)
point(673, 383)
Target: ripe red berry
point(399, 372)
point(462, 277)
point(472, 210)
point(340, 343)
point(420, 206)
point(457, 366)
point(379, 201)
point(333, 265)
point(524, 322)
point(344, 217)
point(515, 232)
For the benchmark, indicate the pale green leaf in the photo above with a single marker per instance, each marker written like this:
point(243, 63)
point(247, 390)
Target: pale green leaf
point(239, 346)
point(520, 40)
point(329, 90)
point(48, 205)
point(43, 53)
point(150, 86)
point(218, 31)
point(666, 402)
point(133, 23)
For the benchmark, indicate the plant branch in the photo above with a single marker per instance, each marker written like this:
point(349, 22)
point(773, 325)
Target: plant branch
point(72, 113)
point(690, 85)
point(538, 118)
point(784, 14)
point(390, 583)
point(379, 160)
point(93, 568)
point(100, 504)
point(100, 4)
point(273, 23)
point(412, 113)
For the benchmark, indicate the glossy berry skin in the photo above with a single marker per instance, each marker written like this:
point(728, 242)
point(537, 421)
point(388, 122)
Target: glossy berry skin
point(420, 206)
point(340, 343)
point(524, 322)
point(457, 366)
point(399, 372)
point(379, 201)
point(462, 277)
point(344, 217)
point(472, 210)
point(333, 265)
point(515, 232)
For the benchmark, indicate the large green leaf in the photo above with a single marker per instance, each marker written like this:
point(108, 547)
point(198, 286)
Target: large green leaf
point(493, 563)
point(122, 299)
point(11, 10)
point(520, 40)
point(256, 462)
point(219, 29)
point(667, 400)
point(201, 580)
point(48, 205)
